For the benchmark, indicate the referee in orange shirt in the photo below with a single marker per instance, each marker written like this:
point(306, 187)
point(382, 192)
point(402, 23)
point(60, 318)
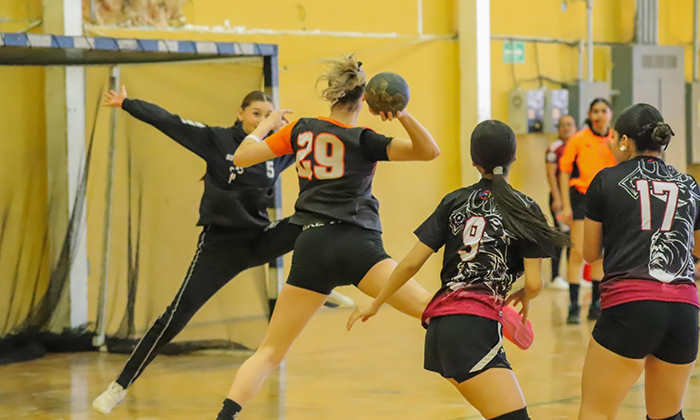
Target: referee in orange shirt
point(589, 150)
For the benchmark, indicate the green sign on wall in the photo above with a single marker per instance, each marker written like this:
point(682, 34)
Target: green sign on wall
point(513, 52)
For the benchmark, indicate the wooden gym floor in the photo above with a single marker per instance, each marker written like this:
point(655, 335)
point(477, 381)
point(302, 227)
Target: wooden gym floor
point(373, 372)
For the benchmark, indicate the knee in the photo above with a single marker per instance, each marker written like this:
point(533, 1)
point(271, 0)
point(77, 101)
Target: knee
point(576, 256)
point(273, 356)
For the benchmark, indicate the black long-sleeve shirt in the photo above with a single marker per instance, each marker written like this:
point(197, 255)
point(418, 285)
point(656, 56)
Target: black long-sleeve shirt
point(233, 197)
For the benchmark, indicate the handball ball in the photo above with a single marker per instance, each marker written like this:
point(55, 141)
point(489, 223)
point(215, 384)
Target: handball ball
point(387, 92)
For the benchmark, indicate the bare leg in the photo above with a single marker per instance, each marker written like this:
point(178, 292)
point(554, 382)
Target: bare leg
point(665, 386)
point(411, 299)
point(294, 309)
point(494, 392)
point(607, 377)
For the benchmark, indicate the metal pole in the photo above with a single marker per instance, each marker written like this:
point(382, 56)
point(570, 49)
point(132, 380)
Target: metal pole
point(655, 22)
point(589, 8)
point(100, 337)
point(581, 49)
point(696, 40)
point(275, 278)
point(420, 17)
point(93, 15)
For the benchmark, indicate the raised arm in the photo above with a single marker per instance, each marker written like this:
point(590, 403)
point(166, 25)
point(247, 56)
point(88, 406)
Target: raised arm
point(421, 145)
point(406, 269)
point(193, 135)
point(254, 150)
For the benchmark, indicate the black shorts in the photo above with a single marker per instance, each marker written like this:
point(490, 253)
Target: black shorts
point(462, 346)
point(333, 255)
point(577, 203)
point(666, 330)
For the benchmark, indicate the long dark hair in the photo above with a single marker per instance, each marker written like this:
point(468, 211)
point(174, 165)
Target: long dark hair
point(254, 96)
point(493, 147)
point(595, 102)
point(645, 126)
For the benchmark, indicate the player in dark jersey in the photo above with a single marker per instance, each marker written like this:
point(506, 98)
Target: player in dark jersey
point(236, 231)
point(341, 242)
point(491, 234)
point(646, 215)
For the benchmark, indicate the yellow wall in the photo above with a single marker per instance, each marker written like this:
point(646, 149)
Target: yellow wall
point(407, 191)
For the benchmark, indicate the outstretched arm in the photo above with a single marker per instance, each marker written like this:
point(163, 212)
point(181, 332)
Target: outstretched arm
point(193, 135)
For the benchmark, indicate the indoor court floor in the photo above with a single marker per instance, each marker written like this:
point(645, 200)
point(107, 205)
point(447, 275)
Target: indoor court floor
point(372, 372)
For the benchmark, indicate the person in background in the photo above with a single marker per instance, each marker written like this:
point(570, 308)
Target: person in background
point(589, 150)
point(567, 128)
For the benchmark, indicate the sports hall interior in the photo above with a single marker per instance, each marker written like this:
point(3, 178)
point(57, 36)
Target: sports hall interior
point(375, 371)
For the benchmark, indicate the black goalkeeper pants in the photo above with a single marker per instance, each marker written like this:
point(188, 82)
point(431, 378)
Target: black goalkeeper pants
point(221, 254)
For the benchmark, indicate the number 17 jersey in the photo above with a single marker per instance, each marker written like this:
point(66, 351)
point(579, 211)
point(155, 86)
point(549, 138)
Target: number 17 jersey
point(336, 165)
point(649, 212)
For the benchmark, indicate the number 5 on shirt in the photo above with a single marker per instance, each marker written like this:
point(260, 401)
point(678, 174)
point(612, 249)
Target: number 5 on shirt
point(328, 155)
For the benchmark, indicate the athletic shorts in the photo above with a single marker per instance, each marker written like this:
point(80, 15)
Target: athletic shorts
point(577, 203)
point(460, 347)
point(666, 330)
point(334, 254)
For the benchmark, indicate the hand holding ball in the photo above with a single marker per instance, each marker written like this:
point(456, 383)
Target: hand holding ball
point(387, 93)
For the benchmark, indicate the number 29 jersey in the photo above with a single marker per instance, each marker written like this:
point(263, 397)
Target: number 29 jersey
point(649, 212)
point(336, 165)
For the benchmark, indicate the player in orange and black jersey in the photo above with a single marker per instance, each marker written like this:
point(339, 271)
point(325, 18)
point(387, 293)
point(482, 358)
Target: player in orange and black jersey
point(492, 234)
point(646, 216)
point(341, 242)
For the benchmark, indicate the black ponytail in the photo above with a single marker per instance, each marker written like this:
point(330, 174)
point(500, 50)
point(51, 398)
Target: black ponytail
point(645, 126)
point(523, 220)
point(493, 147)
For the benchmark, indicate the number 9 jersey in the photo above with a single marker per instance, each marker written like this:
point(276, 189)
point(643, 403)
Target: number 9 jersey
point(336, 164)
point(649, 212)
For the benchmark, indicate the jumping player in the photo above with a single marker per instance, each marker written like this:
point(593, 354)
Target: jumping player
point(646, 215)
point(236, 231)
point(341, 242)
point(589, 150)
point(491, 234)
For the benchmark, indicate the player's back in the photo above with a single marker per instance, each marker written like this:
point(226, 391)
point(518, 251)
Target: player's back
point(649, 213)
point(336, 165)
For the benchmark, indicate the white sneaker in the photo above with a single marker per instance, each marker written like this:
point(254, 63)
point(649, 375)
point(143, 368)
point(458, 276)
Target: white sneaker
point(585, 284)
point(558, 283)
point(336, 300)
point(110, 398)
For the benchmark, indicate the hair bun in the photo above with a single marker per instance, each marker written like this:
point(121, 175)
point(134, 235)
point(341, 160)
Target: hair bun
point(661, 133)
